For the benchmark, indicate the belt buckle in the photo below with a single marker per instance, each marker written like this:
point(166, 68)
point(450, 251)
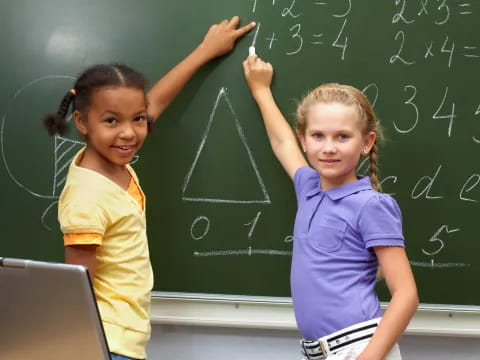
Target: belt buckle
point(323, 347)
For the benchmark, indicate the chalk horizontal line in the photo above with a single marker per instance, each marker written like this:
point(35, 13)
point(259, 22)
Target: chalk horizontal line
point(266, 201)
point(239, 252)
point(437, 265)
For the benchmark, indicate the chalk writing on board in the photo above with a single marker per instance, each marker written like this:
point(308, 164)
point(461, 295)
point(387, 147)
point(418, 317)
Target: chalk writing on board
point(471, 55)
point(391, 178)
point(65, 151)
point(8, 120)
point(3, 131)
point(400, 15)
point(317, 39)
point(415, 108)
point(424, 186)
point(440, 15)
point(428, 182)
point(201, 226)
point(371, 98)
point(196, 224)
point(257, 29)
point(297, 36)
point(434, 265)
point(436, 244)
point(439, 244)
point(270, 40)
point(249, 251)
point(448, 49)
point(449, 116)
point(363, 166)
point(465, 9)
point(400, 36)
point(45, 213)
point(468, 186)
point(289, 11)
point(265, 199)
point(253, 223)
point(337, 42)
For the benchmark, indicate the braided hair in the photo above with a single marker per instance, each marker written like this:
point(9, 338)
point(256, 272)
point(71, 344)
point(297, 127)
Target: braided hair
point(90, 80)
point(348, 96)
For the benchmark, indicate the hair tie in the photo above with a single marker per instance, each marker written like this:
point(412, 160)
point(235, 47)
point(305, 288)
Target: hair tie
point(73, 92)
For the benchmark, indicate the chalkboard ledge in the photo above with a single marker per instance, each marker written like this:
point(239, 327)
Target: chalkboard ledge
point(277, 314)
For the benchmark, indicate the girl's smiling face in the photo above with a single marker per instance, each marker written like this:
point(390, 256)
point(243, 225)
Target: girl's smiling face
point(115, 125)
point(333, 141)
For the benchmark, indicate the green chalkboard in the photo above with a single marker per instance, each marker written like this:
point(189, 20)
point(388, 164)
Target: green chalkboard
point(220, 208)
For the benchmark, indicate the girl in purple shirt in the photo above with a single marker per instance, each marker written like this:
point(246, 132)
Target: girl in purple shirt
point(344, 229)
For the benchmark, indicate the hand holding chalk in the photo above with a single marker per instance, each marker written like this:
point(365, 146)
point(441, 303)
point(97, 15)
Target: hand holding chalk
point(251, 51)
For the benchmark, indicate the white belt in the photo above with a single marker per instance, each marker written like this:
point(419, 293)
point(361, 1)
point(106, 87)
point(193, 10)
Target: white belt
point(339, 340)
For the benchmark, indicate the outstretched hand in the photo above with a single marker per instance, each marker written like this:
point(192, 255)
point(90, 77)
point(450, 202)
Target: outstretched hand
point(258, 74)
point(221, 37)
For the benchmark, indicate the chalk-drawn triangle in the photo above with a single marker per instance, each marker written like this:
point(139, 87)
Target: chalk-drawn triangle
point(224, 170)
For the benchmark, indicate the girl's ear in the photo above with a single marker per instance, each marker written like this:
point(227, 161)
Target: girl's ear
point(370, 140)
point(79, 123)
point(301, 137)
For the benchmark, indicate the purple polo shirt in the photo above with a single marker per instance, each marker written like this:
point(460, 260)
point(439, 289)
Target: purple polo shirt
point(334, 266)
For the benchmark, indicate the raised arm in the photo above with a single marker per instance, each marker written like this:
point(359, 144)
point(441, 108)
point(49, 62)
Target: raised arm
point(402, 306)
point(219, 40)
point(282, 138)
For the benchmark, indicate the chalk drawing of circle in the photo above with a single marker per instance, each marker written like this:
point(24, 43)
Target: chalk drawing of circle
point(27, 150)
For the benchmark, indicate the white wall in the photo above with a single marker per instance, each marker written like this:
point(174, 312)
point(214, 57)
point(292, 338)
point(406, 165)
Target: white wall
point(219, 343)
point(214, 327)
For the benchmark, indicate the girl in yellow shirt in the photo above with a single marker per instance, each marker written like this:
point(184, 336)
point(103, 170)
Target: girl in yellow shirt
point(102, 207)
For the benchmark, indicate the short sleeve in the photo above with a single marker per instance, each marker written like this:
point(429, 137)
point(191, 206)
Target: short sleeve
point(305, 178)
point(82, 239)
point(79, 214)
point(380, 222)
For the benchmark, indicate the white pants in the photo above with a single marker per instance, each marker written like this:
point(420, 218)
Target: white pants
point(356, 349)
point(351, 348)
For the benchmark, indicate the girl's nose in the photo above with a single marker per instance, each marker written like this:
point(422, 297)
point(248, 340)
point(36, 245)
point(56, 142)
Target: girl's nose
point(127, 131)
point(329, 147)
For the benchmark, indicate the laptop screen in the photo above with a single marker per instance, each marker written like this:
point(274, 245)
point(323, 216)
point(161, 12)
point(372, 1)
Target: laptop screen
point(48, 311)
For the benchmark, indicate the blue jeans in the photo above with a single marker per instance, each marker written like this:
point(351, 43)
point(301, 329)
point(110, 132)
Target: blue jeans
point(120, 357)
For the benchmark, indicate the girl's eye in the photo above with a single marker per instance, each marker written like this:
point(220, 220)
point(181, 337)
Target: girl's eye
point(111, 120)
point(140, 118)
point(343, 137)
point(317, 135)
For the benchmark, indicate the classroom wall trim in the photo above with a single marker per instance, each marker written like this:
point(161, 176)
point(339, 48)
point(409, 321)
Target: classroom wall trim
point(277, 314)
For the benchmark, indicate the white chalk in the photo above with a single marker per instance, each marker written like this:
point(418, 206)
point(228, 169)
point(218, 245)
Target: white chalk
point(251, 51)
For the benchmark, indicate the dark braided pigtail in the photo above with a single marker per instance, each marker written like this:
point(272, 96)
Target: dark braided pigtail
point(374, 168)
point(56, 124)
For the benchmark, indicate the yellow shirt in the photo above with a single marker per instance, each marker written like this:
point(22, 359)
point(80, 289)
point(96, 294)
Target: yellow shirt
point(96, 239)
point(90, 203)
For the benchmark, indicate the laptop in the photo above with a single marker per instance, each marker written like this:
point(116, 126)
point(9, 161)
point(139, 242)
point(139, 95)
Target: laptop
point(48, 312)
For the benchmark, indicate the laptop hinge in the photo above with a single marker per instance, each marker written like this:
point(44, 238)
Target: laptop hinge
point(13, 263)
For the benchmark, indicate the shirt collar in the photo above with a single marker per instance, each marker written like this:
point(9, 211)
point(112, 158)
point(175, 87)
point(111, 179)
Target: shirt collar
point(363, 183)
